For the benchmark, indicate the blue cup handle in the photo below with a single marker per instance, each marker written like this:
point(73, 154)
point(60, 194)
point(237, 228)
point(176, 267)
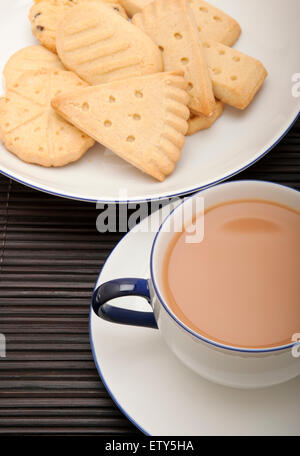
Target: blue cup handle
point(116, 289)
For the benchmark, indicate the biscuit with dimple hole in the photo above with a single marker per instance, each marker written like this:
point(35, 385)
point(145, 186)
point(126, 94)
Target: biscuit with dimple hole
point(236, 77)
point(143, 120)
point(201, 122)
point(212, 23)
point(101, 46)
point(171, 25)
point(31, 129)
point(45, 16)
point(31, 58)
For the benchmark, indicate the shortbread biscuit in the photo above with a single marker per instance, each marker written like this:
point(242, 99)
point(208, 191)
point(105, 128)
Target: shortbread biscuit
point(31, 129)
point(31, 58)
point(212, 23)
point(45, 16)
point(134, 6)
point(171, 25)
point(236, 77)
point(143, 120)
point(101, 46)
point(201, 122)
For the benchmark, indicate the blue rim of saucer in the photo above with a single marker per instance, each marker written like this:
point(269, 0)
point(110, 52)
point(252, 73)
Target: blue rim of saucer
point(97, 364)
point(173, 316)
point(171, 195)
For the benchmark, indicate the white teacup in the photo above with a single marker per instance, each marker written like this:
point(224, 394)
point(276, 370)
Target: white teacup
point(227, 365)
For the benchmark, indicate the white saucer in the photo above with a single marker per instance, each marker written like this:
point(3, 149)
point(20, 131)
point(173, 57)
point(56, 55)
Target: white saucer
point(158, 393)
point(270, 32)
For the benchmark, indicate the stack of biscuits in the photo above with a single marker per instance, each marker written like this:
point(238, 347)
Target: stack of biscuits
point(136, 76)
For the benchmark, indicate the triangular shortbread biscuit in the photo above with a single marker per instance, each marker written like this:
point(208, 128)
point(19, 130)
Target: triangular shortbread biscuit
point(171, 25)
point(143, 120)
point(31, 129)
point(100, 46)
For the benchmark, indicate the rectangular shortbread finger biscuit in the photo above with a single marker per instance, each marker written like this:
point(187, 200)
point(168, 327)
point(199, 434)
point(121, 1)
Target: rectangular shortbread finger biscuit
point(236, 77)
point(171, 26)
point(212, 23)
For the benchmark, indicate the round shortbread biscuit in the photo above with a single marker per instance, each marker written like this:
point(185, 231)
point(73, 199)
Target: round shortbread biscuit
point(45, 16)
point(31, 58)
point(31, 129)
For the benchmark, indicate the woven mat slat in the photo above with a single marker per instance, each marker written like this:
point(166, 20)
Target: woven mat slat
point(50, 258)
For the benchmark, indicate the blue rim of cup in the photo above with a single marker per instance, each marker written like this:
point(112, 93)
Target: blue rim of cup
point(173, 316)
point(97, 363)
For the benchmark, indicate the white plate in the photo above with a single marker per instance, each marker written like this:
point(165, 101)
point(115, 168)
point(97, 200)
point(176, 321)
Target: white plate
point(156, 391)
point(271, 33)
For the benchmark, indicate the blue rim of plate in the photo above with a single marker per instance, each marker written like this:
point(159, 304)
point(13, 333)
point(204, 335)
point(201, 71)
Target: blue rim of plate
point(172, 195)
point(173, 316)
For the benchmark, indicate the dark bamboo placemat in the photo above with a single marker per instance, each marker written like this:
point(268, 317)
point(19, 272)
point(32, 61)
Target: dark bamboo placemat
point(50, 257)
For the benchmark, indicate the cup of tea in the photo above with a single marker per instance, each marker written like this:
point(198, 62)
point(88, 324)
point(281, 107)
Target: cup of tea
point(224, 290)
